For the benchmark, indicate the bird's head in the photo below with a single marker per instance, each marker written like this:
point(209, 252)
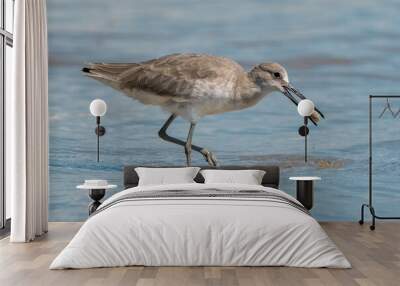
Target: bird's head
point(270, 76)
point(274, 77)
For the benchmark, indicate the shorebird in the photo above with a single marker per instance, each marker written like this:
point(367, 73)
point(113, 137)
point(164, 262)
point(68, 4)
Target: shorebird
point(195, 85)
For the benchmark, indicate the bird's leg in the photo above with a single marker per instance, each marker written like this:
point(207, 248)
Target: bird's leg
point(188, 145)
point(210, 158)
point(163, 132)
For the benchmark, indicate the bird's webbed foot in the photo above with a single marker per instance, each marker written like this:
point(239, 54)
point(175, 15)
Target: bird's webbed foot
point(210, 157)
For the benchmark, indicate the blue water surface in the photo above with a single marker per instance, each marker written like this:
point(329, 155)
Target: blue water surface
point(336, 53)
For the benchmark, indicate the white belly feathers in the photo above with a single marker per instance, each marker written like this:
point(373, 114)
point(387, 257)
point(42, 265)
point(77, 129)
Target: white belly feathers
point(206, 98)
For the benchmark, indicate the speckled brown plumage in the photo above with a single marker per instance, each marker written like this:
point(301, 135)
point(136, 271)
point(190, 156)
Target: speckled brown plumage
point(177, 76)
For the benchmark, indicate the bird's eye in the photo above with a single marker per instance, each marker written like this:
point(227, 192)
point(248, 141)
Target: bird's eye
point(277, 75)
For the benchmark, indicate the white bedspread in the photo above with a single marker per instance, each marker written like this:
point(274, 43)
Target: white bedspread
point(200, 231)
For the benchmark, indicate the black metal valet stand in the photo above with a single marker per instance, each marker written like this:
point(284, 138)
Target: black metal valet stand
point(370, 205)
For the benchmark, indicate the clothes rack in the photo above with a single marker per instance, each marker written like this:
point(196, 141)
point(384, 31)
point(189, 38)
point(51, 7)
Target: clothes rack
point(370, 189)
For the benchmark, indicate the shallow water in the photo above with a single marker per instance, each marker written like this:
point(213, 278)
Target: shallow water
point(337, 53)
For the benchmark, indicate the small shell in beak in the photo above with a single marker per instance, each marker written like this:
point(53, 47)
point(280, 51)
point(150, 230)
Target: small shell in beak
point(315, 116)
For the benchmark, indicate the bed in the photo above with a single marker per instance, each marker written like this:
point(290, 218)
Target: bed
point(198, 224)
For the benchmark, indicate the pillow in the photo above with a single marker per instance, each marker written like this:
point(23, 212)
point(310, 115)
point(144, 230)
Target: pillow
point(248, 177)
point(165, 176)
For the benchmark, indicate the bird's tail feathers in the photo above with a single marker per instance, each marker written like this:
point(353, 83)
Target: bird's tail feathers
point(106, 71)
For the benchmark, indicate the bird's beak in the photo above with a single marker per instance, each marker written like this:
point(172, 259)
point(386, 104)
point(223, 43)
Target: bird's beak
point(290, 92)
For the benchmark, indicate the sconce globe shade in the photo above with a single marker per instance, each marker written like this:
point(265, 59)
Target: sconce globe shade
point(305, 107)
point(98, 107)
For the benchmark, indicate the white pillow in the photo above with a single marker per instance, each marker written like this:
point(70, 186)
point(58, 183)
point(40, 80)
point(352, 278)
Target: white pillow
point(165, 176)
point(248, 177)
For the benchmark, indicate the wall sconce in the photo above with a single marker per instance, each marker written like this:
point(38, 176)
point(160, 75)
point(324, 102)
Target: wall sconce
point(305, 108)
point(98, 108)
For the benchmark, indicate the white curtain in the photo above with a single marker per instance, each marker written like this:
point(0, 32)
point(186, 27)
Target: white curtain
point(27, 123)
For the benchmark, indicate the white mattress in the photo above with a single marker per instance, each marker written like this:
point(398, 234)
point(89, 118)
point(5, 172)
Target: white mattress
point(200, 231)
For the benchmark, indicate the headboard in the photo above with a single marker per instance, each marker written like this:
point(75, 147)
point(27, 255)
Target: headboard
point(271, 177)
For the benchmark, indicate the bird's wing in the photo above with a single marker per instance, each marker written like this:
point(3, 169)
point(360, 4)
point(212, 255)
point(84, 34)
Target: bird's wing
point(177, 75)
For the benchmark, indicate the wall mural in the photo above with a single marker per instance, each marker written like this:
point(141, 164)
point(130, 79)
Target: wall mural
point(337, 54)
point(196, 85)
